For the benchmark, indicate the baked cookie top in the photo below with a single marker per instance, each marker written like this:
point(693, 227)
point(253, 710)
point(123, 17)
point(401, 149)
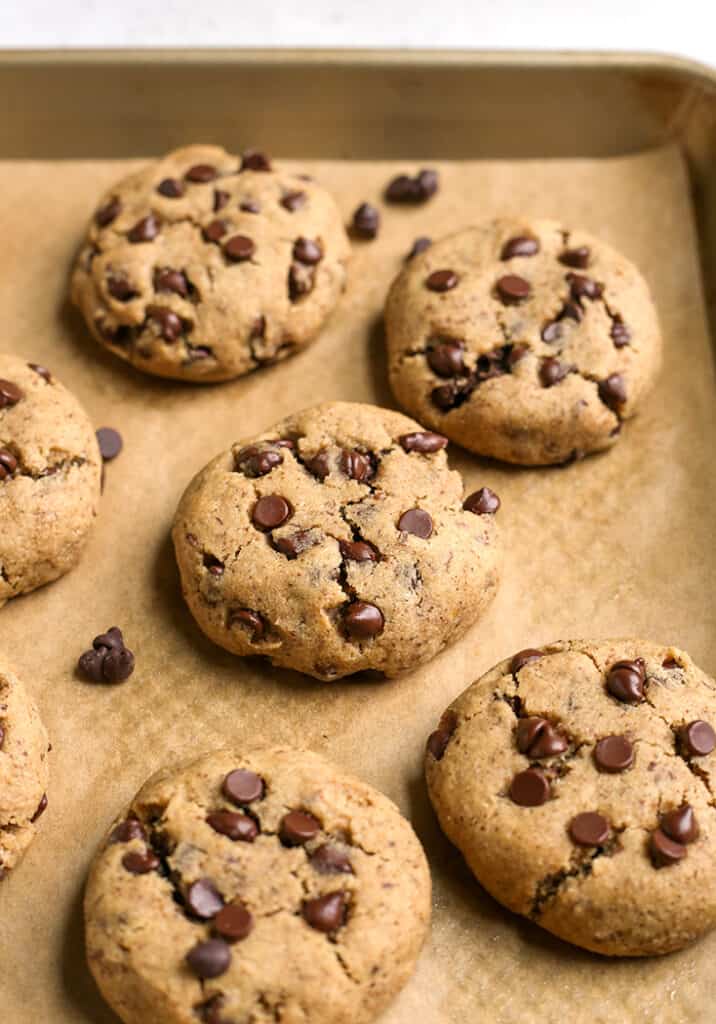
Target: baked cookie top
point(265, 885)
point(50, 470)
point(204, 265)
point(578, 782)
point(336, 541)
point(522, 340)
point(23, 769)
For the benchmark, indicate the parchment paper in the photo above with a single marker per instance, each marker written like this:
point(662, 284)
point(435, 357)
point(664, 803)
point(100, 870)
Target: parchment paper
point(621, 543)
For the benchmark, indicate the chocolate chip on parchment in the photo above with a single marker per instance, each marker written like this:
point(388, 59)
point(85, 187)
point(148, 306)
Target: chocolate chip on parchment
point(221, 198)
point(417, 522)
point(439, 739)
point(209, 959)
point(109, 660)
point(577, 258)
point(10, 394)
point(329, 860)
point(169, 325)
point(522, 245)
point(614, 754)
point(612, 391)
point(619, 333)
point(358, 551)
point(254, 160)
point(625, 681)
point(239, 248)
point(419, 245)
point(423, 441)
point(363, 620)
point(127, 830)
point(513, 289)
point(297, 827)
point(233, 922)
point(110, 443)
point(306, 250)
point(243, 786)
point(589, 829)
point(203, 899)
point(145, 230)
point(171, 188)
point(357, 465)
point(538, 738)
point(109, 212)
point(293, 201)
point(200, 174)
point(665, 851)
point(551, 371)
point(697, 738)
point(41, 371)
point(530, 788)
point(523, 658)
point(249, 620)
point(441, 280)
point(365, 222)
point(582, 287)
point(41, 808)
point(168, 280)
point(327, 913)
point(446, 359)
point(215, 230)
point(680, 824)
point(415, 189)
point(140, 863)
point(270, 511)
point(482, 502)
point(8, 463)
point(235, 826)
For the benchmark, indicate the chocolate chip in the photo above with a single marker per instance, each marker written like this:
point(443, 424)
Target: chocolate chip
point(319, 465)
point(166, 320)
point(213, 564)
point(417, 522)
point(109, 660)
point(221, 198)
point(109, 212)
point(305, 250)
point(238, 827)
point(358, 551)
point(450, 396)
point(423, 441)
point(582, 287)
point(614, 754)
point(523, 658)
point(441, 280)
point(665, 851)
point(577, 258)
point(168, 280)
point(530, 788)
point(293, 201)
point(619, 333)
point(513, 289)
point(41, 372)
point(589, 829)
point(120, 288)
point(171, 188)
point(366, 221)
point(137, 863)
point(145, 230)
point(680, 824)
point(419, 245)
point(670, 663)
point(551, 371)
point(551, 332)
point(357, 465)
point(10, 394)
point(249, 620)
point(209, 959)
point(519, 246)
point(110, 443)
point(127, 830)
point(250, 206)
point(233, 922)
point(363, 620)
point(295, 543)
point(301, 279)
point(8, 463)
point(243, 787)
point(41, 808)
point(416, 189)
point(327, 913)
point(254, 462)
point(625, 681)
point(215, 230)
point(239, 248)
point(538, 738)
point(572, 311)
point(203, 899)
point(329, 860)
point(438, 740)
point(482, 502)
point(446, 359)
point(297, 827)
point(201, 173)
point(698, 738)
point(612, 391)
point(270, 511)
point(253, 160)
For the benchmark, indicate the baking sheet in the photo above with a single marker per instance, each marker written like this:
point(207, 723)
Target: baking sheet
point(622, 543)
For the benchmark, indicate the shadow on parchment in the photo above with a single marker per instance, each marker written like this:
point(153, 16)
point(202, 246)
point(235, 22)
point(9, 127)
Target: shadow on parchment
point(77, 981)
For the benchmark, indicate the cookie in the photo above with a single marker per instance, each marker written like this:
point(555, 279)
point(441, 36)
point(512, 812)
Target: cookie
point(577, 781)
point(23, 769)
point(260, 886)
point(336, 541)
point(522, 340)
point(49, 477)
point(204, 266)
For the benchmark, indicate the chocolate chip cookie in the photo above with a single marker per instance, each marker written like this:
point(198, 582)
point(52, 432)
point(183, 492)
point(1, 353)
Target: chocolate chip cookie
point(23, 769)
point(204, 266)
point(50, 471)
point(522, 340)
point(578, 782)
point(337, 540)
point(260, 886)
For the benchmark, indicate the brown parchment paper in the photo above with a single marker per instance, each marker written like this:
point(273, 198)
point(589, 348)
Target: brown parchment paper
point(621, 543)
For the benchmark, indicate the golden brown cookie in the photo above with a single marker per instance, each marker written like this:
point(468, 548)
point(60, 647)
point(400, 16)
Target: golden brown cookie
point(50, 471)
point(578, 782)
point(259, 886)
point(204, 265)
point(522, 340)
point(336, 541)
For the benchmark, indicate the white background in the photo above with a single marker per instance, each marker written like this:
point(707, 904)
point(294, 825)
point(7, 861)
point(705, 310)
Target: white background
point(684, 27)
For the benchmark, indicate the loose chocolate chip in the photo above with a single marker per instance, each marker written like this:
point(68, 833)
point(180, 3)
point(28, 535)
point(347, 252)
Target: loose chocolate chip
point(209, 959)
point(416, 189)
point(145, 230)
point(441, 280)
point(551, 372)
point(137, 863)
point(41, 808)
point(551, 332)
point(482, 502)
point(523, 658)
point(109, 660)
point(614, 754)
point(446, 359)
point(112, 639)
point(254, 462)
point(357, 465)
point(582, 287)
point(41, 372)
point(305, 250)
point(329, 860)
point(201, 173)
point(110, 443)
point(238, 827)
point(665, 851)
point(293, 201)
point(530, 788)
point(109, 212)
point(619, 333)
point(680, 824)
point(513, 289)
point(250, 620)
point(203, 899)
point(423, 441)
point(538, 738)
point(366, 221)
point(589, 829)
point(171, 188)
point(698, 738)
point(168, 280)
point(358, 551)
point(253, 160)
point(10, 394)
point(215, 230)
point(295, 543)
point(327, 913)
point(8, 463)
point(417, 522)
point(577, 258)
point(438, 740)
point(250, 206)
point(297, 827)
point(169, 325)
point(233, 922)
point(270, 511)
point(419, 245)
point(520, 246)
point(243, 787)
point(301, 279)
point(612, 391)
point(363, 620)
point(625, 681)
point(120, 288)
point(127, 830)
point(319, 465)
point(239, 248)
